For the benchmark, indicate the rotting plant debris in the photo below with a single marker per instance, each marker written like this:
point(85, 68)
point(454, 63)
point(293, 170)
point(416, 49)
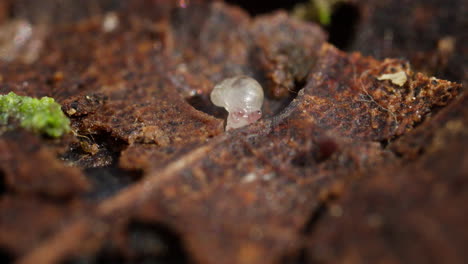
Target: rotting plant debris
point(342, 167)
point(43, 115)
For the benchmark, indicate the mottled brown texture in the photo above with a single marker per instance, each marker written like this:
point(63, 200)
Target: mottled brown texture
point(338, 157)
point(412, 211)
point(25, 222)
point(347, 98)
point(30, 168)
point(431, 34)
point(286, 50)
point(239, 203)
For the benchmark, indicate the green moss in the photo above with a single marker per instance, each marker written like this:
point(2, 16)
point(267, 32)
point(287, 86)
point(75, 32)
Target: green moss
point(316, 10)
point(43, 115)
point(324, 10)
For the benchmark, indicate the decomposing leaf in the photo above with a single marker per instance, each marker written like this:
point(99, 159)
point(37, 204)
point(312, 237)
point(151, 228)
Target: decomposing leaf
point(150, 175)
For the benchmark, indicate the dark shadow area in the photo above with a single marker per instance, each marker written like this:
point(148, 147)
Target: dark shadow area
point(94, 150)
point(274, 106)
point(261, 7)
point(344, 19)
point(3, 187)
point(299, 257)
point(155, 243)
point(140, 243)
point(107, 181)
point(316, 215)
point(203, 103)
point(321, 151)
point(145, 243)
point(344, 22)
point(302, 159)
point(98, 156)
point(5, 256)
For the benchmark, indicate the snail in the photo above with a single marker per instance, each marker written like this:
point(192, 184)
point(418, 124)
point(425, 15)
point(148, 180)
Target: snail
point(242, 97)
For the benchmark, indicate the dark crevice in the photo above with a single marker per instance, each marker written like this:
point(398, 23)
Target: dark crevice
point(3, 187)
point(273, 107)
point(298, 85)
point(384, 143)
point(145, 243)
point(101, 167)
point(322, 150)
point(5, 256)
point(140, 243)
point(100, 149)
point(301, 160)
point(262, 7)
point(110, 142)
point(298, 257)
point(316, 215)
point(343, 27)
point(203, 103)
point(344, 18)
point(110, 179)
point(156, 243)
point(107, 181)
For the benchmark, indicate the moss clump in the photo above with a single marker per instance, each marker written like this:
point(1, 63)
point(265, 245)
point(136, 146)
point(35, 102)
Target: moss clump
point(43, 115)
point(316, 10)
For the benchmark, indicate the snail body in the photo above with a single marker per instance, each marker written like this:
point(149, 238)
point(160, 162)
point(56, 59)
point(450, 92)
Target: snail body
point(242, 97)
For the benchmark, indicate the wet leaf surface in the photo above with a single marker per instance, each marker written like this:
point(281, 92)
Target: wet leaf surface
point(345, 166)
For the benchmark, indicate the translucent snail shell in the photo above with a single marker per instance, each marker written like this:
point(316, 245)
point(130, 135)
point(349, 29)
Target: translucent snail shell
point(242, 97)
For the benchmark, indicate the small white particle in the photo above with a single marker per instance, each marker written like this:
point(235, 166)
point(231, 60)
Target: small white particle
point(182, 68)
point(398, 78)
point(446, 45)
point(110, 22)
point(250, 177)
point(268, 176)
point(71, 111)
point(193, 92)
